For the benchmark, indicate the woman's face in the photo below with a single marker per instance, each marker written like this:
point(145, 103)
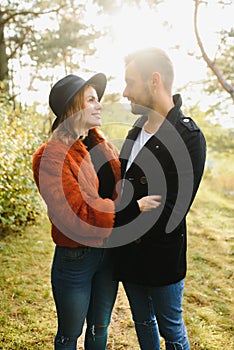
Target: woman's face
point(92, 109)
point(90, 115)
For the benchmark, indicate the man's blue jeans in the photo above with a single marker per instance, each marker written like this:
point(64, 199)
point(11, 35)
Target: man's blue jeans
point(158, 310)
point(83, 290)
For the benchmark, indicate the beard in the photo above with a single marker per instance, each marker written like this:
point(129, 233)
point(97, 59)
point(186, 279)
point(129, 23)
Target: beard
point(145, 104)
point(139, 109)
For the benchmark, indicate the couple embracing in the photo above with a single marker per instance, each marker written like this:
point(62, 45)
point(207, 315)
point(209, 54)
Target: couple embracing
point(120, 217)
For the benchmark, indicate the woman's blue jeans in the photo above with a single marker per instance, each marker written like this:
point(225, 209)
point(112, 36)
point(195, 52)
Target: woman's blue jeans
point(83, 290)
point(158, 310)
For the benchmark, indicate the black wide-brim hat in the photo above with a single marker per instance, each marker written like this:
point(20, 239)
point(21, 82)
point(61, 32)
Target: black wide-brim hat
point(66, 88)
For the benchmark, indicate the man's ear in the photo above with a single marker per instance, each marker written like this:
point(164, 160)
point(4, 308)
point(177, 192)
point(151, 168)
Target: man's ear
point(155, 79)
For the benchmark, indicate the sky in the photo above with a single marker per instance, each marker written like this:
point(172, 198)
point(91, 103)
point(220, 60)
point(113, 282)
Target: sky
point(133, 28)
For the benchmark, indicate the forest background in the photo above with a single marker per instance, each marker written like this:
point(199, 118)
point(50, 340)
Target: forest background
point(41, 41)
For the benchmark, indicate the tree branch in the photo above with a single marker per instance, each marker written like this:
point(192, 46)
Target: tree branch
point(11, 15)
point(20, 43)
point(226, 86)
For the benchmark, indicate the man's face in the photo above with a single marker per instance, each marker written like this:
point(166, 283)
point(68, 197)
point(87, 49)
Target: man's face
point(137, 90)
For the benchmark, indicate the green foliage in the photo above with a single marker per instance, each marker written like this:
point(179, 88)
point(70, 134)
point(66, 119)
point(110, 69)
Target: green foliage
point(220, 149)
point(117, 120)
point(225, 61)
point(113, 6)
point(220, 141)
point(65, 41)
point(19, 201)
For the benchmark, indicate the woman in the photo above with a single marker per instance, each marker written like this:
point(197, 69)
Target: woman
point(76, 172)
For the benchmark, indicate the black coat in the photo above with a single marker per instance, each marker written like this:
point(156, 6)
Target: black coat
point(170, 164)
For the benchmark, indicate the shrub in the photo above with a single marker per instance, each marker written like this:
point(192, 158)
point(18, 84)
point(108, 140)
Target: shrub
point(19, 199)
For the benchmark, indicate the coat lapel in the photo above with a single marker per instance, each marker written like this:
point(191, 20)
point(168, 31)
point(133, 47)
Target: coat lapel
point(129, 141)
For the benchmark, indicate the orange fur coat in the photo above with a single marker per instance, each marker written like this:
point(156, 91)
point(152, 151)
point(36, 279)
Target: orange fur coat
point(68, 183)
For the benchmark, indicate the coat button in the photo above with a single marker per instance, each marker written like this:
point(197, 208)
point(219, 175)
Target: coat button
point(186, 120)
point(157, 146)
point(130, 179)
point(143, 180)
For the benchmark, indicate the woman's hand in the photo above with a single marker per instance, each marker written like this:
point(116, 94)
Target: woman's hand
point(149, 202)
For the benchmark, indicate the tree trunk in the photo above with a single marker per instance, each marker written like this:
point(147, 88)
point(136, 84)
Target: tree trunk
point(222, 81)
point(3, 54)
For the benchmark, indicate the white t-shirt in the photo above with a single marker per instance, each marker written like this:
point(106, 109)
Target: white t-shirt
point(140, 141)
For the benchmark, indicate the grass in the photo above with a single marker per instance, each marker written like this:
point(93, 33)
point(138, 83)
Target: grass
point(27, 315)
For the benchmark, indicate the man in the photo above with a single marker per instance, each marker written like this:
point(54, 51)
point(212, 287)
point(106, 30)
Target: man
point(164, 154)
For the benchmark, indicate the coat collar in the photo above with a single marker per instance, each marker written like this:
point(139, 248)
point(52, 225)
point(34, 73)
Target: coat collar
point(133, 133)
point(173, 113)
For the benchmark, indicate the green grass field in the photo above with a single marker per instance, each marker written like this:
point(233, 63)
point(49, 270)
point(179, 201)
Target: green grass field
point(27, 316)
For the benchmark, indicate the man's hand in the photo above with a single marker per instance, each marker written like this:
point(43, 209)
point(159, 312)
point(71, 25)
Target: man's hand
point(149, 202)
